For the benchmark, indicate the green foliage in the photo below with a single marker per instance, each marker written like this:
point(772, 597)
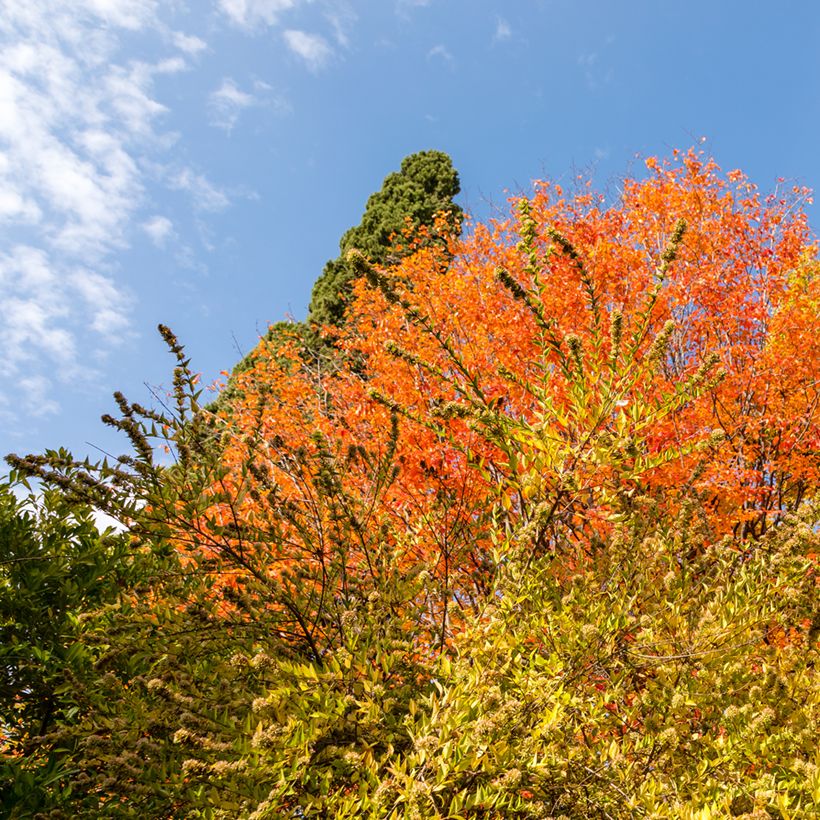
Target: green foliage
point(409, 199)
point(412, 197)
point(55, 567)
point(165, 664)
point(658, 680)
point(319, 734)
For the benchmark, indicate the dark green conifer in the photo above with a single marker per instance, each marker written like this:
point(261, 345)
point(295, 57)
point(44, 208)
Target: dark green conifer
point(413, 196)
point(423, 187)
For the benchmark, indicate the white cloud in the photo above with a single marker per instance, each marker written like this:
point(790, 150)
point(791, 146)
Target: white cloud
point(403, 5)
point(341, 18)
point(227, 103)
point(32, 311)
point(252, 13)
point(172, 65)
point(107, 304)
point(43, 304)
point(502, 30)
point(36, 392)
point(188, 43)
point(204, 195)
point(440, 52)
point(159, 229)
point(127, 14)
point(76, 123)
point(15, 207)
point(312, 48)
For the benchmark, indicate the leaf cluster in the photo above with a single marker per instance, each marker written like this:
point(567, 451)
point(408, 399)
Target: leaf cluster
point(540, 542)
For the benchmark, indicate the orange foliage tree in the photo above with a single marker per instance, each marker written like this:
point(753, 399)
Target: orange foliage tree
point(545, 422)
point(537, 374)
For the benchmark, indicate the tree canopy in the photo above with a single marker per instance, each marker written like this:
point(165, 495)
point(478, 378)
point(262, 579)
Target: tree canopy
point(410, 198)
point(542, 543)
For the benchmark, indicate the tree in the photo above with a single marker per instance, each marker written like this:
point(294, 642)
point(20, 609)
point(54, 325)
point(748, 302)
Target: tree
point(56, 567)
point(680, 293)
point(543, 540)
point(409, 199)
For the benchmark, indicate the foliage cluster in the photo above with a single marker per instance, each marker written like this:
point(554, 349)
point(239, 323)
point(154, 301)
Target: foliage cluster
point(56, 569)
point(539, 539)
point(411, 199)
point(415, 196)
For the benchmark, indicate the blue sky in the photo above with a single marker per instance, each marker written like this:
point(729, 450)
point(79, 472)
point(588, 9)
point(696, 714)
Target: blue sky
point(195, 163)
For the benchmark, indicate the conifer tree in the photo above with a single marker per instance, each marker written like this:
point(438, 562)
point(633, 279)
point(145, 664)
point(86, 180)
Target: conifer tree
point(411, 197)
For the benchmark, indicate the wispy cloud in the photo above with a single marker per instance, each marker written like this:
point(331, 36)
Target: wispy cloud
point(159, 229)
point(32, 310)
point(107, 303)
point(312, 48)
point(76, 123)
point(403, 6)
point(252, 13)
point(39, 335)
point(205, 196)
point(341, 18)
point(37, 392)
point(227, 103)
point(441, 52)
point(502, 31)
point(188, 43)
point(126, 14)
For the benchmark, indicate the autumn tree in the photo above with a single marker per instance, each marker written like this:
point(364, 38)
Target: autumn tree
point(679, 294)
point(606, 485)
point(560, 489)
